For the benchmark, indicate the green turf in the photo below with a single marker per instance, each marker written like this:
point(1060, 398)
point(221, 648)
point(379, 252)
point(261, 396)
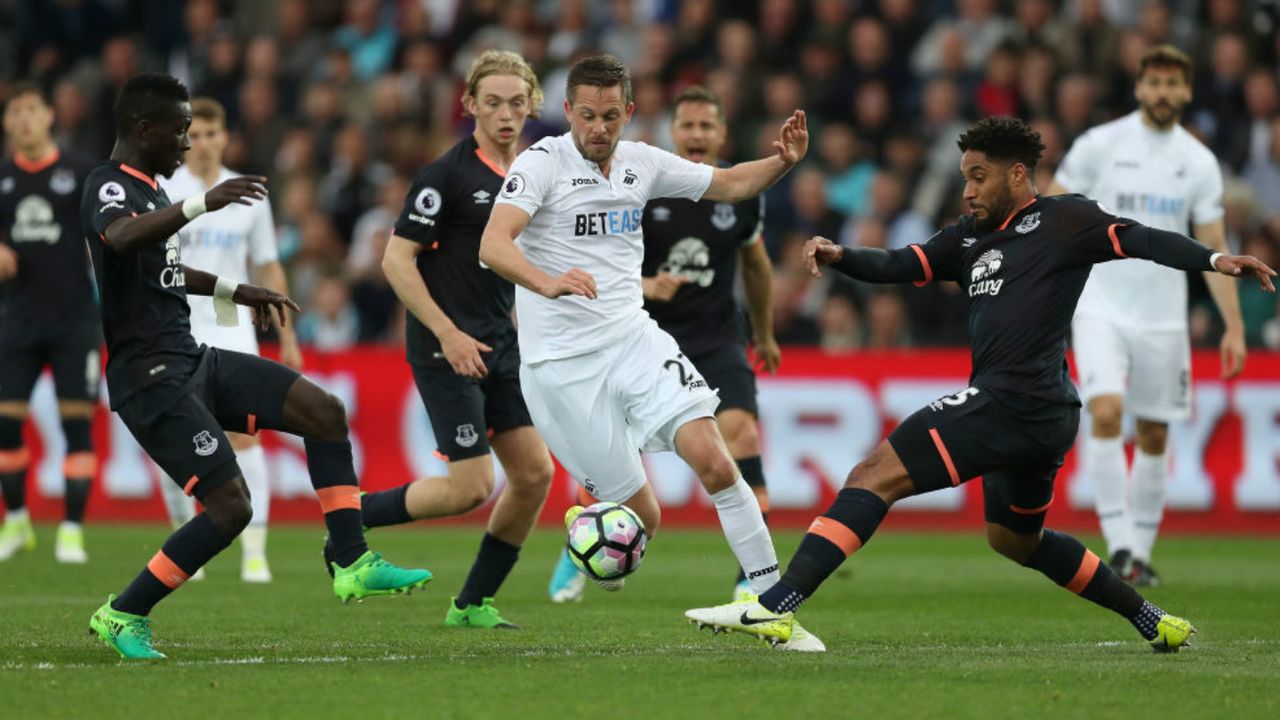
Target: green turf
point(917, 626)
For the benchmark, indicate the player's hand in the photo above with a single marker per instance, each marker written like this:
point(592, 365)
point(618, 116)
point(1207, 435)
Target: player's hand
point(819, 251)
point(290, 352)
point(1247, 266)
point(1233, 352)
point(768, 355)
point(463, 353)
point(574, 282)
point(265, 304)
point(662, 287)
point(8, 263)
point(241, 190)
point(793, 139)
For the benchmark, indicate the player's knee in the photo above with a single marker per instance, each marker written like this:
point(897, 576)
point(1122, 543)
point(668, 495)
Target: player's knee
point(1107, 414)
point(77, 431)
point(331, 417)
point(1015, 546)
point(229, 507)
point(533, 479)
point(870, 475)
point(475, 493)
point(718, 472)
point(1152, 437)
point(741, 436)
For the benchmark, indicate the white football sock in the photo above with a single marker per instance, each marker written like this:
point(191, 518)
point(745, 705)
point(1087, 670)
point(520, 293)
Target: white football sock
point(1104, 462)
point(744, 527)
point(181, 507)
point(253, 464)
point(1150, 484)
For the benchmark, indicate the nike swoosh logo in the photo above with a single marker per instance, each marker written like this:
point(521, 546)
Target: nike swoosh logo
point(745, 620)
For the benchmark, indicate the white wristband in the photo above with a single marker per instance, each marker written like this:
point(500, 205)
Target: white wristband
point(193, 207)
point(1213, 261)
point(224, 307)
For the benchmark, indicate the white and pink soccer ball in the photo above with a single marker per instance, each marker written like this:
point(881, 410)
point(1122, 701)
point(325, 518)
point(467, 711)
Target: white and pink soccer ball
point(607, 541)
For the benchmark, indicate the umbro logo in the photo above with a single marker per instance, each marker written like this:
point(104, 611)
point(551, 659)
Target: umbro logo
point(968, 242)
point(482, 197)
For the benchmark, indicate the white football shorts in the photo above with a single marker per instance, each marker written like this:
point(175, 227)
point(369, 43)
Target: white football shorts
point(1151, 369)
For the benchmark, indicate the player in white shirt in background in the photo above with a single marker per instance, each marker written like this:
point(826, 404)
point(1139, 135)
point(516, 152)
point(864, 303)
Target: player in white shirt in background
point(1129, 334)
point(228, 244)
point(602, 381)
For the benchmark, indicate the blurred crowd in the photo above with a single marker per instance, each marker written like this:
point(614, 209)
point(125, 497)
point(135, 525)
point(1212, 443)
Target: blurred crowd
point(340, 102)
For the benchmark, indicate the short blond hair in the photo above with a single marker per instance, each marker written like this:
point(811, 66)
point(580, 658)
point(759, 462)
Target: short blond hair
point(505, 62)
point(209, 110)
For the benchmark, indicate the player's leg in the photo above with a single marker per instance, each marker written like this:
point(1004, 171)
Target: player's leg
point(1159, 394)
point(19, 368)
point(456, 407)
point(738, 427)
point(253, 541)
point(1103, 357)
point(247, 393)
point(76, 371)
point(1016, 502)
point(529, 470)
point(177, 430)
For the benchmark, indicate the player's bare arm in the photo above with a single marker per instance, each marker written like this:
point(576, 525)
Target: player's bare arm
point(498, 250)
point(748, 179)
point(1223, 290)
point(661, 287)
point(757, 284)
point(399, 262)
point(127, 234)
point(8, 262)
point(271, 276)
point(267, 305)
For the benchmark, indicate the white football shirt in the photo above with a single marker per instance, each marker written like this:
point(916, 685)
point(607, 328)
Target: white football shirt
point(1166, 180)
point(224, 242)
point(581, 219)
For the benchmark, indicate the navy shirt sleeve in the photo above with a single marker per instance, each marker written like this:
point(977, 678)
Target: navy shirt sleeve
point(106, 201)
point(425, 207)
point(1092, 231)
point(940, 255)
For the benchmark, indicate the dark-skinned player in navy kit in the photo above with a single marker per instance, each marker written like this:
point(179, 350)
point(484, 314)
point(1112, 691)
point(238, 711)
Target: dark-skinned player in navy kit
point(1023, 260)
point(176, 397)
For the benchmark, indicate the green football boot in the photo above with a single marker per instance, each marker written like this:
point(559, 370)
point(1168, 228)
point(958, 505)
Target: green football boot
point(17, 535)
point(484, 615)
point(371, 575)
point(127, 634)
point(1172, 634)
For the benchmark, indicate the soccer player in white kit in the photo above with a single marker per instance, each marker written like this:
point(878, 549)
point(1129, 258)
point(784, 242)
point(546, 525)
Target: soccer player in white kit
point(227, 243)
point(1130, 328)
point(602, 381)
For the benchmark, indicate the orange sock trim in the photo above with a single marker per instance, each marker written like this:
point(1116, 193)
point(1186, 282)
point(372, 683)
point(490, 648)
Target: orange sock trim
point(14, 460)
point(339, 497)
point(80, 465)
point(167, 571)
point(837, 533)
point(190, 487)
point(585, 498)
point(1088, 568)
point(1031, 511)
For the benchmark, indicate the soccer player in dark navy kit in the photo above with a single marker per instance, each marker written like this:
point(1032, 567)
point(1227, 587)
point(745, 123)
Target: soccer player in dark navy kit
point(177, 397)
point(462, 343)
point(48, 317)
point(1023, 260)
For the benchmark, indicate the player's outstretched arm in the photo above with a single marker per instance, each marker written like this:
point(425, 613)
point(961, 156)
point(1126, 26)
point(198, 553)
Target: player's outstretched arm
point(1175, 250)
point(498, 251)
point(126, 234)
point(748, 179)
point(867, 264)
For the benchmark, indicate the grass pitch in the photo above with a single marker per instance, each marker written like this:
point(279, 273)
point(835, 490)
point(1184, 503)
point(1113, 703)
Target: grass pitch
point(916, 626)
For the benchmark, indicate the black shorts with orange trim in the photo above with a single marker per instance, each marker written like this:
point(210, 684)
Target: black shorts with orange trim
point(465, 412)
point(180, 424)
point(1015, 445)
point(70, 352)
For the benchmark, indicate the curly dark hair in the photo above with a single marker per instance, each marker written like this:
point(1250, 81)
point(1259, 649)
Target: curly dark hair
point(1004, 138)
point(147, 97)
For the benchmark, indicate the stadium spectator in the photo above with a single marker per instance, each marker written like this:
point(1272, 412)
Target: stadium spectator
point(900, 224)
point(330, 322)
point(840, 324)
point(979, 27)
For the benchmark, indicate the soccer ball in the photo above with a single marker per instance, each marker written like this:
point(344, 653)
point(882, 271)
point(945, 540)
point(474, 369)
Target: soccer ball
point(606, 541)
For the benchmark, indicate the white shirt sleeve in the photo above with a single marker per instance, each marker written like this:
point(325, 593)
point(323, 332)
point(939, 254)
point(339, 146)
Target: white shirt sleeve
point(1207, 202)
point(675, 177)
point(528, 180)
point(1078, 172)
point(262, 235)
